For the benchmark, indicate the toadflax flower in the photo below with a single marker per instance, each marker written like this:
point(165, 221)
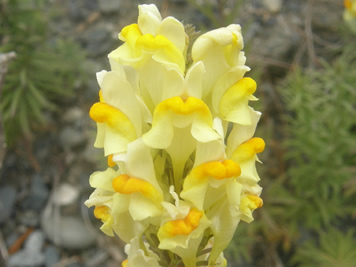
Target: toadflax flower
point(174, 121)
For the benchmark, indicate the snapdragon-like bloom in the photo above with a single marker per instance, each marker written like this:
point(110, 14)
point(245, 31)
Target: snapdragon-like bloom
point(178, 132)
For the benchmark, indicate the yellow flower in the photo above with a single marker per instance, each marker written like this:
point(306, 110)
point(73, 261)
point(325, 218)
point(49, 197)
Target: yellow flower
point(234, 103)
point(118, 114)
point(125, 204)
point(220, 52)
point(154, 47)
point(209, 182)
point(180, 133)
point(248, 204)
point(152, 38)
point(182, 229)
point(246, 156)
point(180, 112)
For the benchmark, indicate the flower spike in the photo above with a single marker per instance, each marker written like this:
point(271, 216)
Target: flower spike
point(176, 127)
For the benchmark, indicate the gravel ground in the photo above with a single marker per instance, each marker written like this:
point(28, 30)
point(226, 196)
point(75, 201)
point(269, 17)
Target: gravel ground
point(42, 217)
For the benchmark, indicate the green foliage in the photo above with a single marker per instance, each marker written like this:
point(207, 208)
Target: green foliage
point(334, 248)
point(321, 140)
point(42, 73)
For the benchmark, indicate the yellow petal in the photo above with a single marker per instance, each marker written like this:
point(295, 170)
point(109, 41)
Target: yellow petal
point(180, 112)
point(181, 227)
point(163, 50)
point(220, 52)
point(125, 184)
point(224, 223)
point(149, 19)
point(196, 184)
point(127, 53)
point(174, 31)
point(114, 118)
point(234, 103)
point(102, 213)
point(228, 39)
point(130, 34)
point(111, 163)
point(242, 133)
point(248, 150)
point(124, 263)
point(245, 156)
point(248, 204)
point(217, 170)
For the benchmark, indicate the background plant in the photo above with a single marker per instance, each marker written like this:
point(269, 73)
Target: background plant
point(43, 72)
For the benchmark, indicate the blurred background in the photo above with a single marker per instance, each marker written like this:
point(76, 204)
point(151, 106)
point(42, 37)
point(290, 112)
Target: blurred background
point(302, 55)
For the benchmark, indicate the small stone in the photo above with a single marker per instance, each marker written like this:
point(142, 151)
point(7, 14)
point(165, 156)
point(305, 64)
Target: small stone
point(109, 6)
point(99, 40)
point(31, 255)
point(71, 138)
point(273, 5)
point(65, 194)
point(7, 201)
point(68, 232)
point(24, 258)
point(29, 218)
point(35, 241)
point(52, 256)
point(38, 196)
point(74, 10)
point(72, 115)
point(96, 257)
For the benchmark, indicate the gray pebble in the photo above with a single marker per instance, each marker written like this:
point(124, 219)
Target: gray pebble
point(31, 255)
point(29, 218)
point(71, 138)
point(38, 196)
point(52, 256)
point(72, 115)
point(109, 6)
point(65, 194)
point(35, 241)
point(273, 5)
point(67, 232)
point(99, 40)
point(7, 201)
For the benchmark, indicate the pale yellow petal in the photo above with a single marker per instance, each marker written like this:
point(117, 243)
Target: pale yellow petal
point(233, 105)
point(174, 31)
point(118, 93)
point(103, 179)
point(149, 19)
point(223, 225)
point(193, 80)
point(242, 133)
